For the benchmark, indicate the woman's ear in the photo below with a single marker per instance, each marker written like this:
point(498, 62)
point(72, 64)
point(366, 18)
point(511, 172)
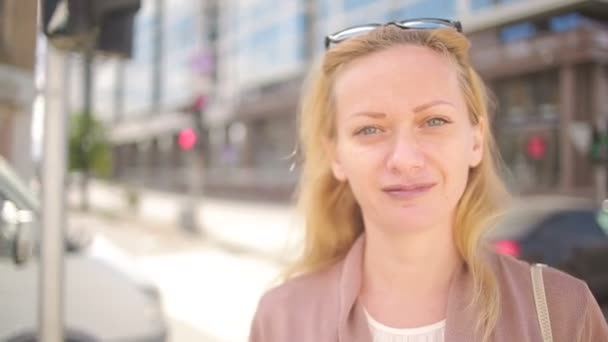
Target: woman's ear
point(478, 144)
point(332, 152)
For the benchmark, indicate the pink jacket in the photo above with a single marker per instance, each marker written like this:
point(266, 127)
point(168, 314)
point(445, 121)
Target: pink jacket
point(323, 307)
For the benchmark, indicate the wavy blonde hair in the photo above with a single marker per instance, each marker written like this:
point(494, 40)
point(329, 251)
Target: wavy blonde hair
point(333, 219)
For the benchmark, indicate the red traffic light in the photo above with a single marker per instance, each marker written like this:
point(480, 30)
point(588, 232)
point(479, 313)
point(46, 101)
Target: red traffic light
point(536, 147)
point(186, 139)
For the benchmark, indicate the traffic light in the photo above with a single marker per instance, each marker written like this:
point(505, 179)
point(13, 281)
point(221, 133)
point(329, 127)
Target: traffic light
point(107, 25)
point(67, 23)
point(187, 139)
point(115, 19)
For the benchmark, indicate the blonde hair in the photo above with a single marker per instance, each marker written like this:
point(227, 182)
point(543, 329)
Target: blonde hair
point(333, 219)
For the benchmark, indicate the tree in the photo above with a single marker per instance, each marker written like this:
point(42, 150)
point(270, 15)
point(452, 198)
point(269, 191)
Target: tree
point(89, 151)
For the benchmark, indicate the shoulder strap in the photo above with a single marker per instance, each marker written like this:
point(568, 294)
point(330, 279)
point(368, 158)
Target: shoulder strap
point(540, 300)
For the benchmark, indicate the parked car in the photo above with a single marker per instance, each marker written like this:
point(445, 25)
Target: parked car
point(105, 298)
point(566, 233)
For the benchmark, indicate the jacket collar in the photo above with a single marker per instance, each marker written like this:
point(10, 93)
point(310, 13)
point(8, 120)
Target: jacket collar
point(353, 326)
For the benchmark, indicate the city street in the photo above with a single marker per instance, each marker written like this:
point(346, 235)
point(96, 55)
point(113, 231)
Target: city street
point(153, 152)
point(210, 289)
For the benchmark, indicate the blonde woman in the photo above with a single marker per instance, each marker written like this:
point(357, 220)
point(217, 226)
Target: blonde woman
point(399, 184)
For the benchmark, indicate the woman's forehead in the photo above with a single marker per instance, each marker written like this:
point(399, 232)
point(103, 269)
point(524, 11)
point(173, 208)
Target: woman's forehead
point(401, 75)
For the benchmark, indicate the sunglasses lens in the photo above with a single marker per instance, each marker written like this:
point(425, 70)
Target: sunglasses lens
point(426, 25)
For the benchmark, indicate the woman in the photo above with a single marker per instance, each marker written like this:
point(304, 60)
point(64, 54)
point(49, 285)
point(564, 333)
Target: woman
point(399, 184)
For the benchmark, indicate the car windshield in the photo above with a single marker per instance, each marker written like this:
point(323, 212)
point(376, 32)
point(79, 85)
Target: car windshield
point(16, 189)
point(524, 214)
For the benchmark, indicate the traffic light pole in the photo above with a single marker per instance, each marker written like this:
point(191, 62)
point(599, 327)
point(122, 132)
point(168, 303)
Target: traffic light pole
point(103, 25)
point(51, 270)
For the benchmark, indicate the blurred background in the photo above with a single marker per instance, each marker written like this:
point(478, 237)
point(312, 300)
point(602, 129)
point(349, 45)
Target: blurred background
point(180, 127)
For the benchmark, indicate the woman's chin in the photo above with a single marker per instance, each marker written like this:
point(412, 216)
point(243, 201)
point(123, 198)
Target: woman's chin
point(413, 218)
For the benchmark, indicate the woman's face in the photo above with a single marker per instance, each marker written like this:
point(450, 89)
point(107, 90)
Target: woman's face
point(404, 139)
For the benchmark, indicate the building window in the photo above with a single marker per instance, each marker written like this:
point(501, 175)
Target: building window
point(274, 143)
point(530, 29)
point(566, 22)
point(517, 32)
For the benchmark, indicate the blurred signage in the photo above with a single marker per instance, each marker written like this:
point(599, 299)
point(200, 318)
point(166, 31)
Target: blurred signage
point(202, 63)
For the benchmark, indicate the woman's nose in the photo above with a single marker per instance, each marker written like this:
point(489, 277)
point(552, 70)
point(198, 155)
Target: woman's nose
point(405, 155)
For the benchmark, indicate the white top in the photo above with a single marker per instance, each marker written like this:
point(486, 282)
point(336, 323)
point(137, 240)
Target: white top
point(428, 333)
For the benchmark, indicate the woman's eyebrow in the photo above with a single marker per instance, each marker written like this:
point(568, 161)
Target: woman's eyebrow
point(381, 115)
point(376, 115)
point(431, 104)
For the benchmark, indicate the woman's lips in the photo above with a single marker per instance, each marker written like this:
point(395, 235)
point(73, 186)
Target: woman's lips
point(408, 191)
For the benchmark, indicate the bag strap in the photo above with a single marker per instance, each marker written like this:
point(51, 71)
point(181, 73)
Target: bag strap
point(540, 300)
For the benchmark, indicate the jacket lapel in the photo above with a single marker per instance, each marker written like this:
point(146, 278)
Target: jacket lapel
point(460, 316)
point(352, 321)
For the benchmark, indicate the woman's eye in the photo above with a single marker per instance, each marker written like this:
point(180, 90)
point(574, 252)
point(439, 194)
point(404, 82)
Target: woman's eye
point(368, 130)
point(436, 122)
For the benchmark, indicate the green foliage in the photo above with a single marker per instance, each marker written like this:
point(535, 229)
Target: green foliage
point(89, 149)
point(599, 147)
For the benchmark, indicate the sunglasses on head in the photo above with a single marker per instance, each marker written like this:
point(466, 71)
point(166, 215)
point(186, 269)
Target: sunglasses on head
point(409, 24)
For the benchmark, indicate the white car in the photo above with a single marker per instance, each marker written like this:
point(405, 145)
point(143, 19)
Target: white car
point(105, 298)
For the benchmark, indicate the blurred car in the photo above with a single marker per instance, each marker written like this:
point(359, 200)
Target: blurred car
point(566, 233)
point(105, 298)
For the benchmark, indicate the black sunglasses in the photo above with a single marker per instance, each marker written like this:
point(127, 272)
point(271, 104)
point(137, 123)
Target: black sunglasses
point(409, 24)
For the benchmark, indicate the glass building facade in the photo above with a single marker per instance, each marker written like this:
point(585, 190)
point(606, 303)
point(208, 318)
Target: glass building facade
point(269, 40)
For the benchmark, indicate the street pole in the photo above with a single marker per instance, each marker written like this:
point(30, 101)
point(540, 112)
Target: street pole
point(88, 108)
point(51, 271)
point(600, 181)
point(601, 121)
point(601, 176)
point(193, 177)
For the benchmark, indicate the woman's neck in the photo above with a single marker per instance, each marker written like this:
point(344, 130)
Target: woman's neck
point(411, 271)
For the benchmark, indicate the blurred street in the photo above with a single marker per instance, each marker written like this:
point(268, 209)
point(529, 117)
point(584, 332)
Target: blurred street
point(209, 289)
point(166, 132)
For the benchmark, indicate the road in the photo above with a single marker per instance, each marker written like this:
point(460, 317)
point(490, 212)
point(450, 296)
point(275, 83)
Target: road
point(210, 290)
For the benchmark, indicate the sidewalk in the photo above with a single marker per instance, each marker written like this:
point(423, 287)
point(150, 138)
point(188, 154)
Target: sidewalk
point(272, 230)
